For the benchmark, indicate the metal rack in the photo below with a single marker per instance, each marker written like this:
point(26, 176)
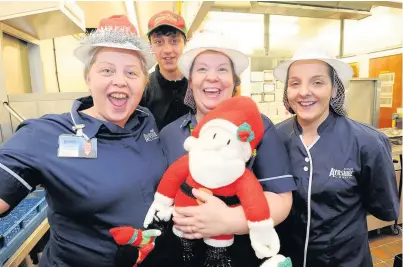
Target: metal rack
point(18, 227)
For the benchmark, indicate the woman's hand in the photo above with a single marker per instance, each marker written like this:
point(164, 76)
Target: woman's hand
point(3, 206)
point(212, 218)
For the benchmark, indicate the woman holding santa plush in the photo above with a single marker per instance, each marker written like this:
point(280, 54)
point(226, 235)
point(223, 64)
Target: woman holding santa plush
point(213, 64)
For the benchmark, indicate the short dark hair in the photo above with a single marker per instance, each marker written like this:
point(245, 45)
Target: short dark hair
point(166, 30)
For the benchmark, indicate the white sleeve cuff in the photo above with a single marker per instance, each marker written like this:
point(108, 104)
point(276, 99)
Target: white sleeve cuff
point(161, 199)
point(261, 225)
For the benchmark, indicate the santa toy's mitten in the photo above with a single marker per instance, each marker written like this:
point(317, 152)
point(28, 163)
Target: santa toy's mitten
point(266, 244)
point(217, 257)
point(161, 208)
point(264, 238)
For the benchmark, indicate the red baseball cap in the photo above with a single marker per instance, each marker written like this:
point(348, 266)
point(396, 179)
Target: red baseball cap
point(120, 21)
point(167, 18)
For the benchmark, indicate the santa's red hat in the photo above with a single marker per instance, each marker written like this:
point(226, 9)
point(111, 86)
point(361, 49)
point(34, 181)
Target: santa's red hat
point(239, 115)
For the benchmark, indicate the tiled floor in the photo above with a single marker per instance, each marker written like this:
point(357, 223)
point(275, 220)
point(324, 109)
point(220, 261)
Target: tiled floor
point(384, 247)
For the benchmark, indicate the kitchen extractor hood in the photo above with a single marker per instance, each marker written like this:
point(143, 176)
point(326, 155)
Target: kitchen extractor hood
point(312, 9)
point(354, 10)
point(43, 20)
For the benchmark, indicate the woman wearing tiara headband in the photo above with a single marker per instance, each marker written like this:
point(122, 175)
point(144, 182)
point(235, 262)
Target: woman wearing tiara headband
point(99, 163)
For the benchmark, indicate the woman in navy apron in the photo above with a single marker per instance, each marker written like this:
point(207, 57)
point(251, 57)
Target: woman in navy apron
point(343, 168)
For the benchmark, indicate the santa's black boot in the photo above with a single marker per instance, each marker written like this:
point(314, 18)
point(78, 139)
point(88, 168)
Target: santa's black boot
point(188, 252)
point(217, 257)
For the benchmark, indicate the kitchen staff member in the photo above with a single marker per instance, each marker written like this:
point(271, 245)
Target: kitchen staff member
point(100, 163)
point(343, 168)
point(213, 64)
point(167, 87)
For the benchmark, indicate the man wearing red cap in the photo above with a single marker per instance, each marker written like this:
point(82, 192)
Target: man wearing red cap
point(166, 90)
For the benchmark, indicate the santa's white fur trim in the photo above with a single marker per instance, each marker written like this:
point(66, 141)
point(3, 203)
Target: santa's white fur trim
point(218, 243)
point(189, 143)
point(163, 200)
point(261, 225)
point(177, 232)
point(229, 126)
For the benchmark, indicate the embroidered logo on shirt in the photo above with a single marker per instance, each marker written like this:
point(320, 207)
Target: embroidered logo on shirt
point(346, 173)
point(151, 136)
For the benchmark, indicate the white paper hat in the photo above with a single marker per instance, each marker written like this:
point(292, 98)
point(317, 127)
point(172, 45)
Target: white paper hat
point(310, 51)
point(207, 40)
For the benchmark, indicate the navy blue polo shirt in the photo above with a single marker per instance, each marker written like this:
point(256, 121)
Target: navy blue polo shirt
point(86, 196)
point(347, 172)
point(271, 165)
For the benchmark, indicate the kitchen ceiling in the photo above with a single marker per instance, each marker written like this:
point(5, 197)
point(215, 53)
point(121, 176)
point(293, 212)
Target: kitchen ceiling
point(353, 10)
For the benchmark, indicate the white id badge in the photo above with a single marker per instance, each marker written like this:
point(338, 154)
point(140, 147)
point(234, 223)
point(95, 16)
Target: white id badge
point(73, 146)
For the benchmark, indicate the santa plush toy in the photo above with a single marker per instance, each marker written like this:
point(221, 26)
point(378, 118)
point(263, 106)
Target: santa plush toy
point(219, 148)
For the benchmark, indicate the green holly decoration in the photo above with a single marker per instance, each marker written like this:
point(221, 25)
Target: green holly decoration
point(286, 263)
point(246, 127)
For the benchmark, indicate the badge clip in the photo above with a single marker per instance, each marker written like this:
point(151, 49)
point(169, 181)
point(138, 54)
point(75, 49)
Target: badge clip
point(78, 128)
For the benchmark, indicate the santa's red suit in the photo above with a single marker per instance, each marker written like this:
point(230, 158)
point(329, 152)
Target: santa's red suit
point(247, 188)
point(219, 147)
point(240, 118)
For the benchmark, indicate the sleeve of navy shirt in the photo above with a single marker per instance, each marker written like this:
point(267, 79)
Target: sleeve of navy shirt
point(172, 139)
point(272, 164)
point(379, 180)
point(18, 176)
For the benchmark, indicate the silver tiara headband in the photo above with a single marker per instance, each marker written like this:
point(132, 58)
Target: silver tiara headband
point(119, 36)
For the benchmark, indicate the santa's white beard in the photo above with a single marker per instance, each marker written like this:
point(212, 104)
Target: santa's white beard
point(212, 170)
